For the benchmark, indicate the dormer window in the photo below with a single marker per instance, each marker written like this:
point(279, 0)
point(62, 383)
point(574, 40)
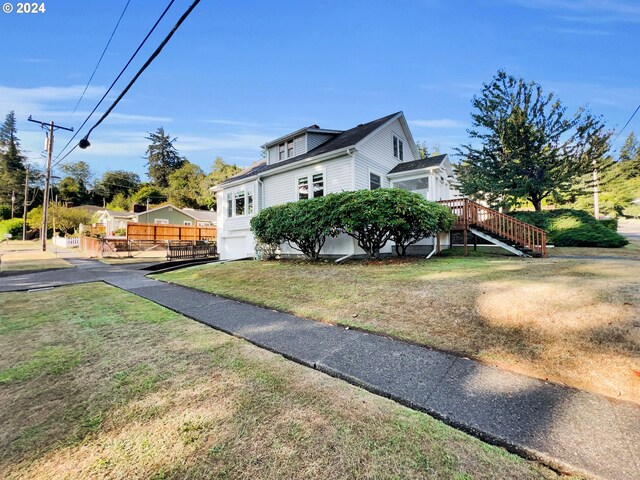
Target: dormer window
point(285, 150)
point(398, 148)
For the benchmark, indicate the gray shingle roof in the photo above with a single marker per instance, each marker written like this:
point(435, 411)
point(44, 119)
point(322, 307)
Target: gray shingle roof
point(418, 164)
point(340, 141)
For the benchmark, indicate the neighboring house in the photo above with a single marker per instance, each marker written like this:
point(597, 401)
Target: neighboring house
point(114, 220)
point(165, 214)
point(169, 214)
point(313, 162)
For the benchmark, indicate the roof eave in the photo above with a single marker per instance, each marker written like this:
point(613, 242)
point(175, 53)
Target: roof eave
point(412, 172)
point(284, 168)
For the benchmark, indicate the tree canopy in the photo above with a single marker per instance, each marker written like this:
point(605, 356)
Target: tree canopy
point(12, 161)
point(525, 145)
point(113, 182)
point(162, 158)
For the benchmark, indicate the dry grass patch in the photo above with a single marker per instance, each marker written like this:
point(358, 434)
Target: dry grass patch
point(568, 320)
point(19, 256)
point(147, 393)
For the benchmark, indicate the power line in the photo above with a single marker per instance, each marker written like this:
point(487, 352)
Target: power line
point(84, 142)
point(111, 86)
point(625, 125)
point(101, 56)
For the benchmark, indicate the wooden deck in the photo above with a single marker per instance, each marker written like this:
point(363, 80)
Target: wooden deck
point(523, 236)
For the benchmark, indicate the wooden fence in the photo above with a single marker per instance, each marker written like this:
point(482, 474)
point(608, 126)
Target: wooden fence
point(158, 231)
point(188, 250)
point(97, 230)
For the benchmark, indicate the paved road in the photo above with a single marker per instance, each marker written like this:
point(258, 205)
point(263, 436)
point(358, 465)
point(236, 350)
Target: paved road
point(630, 229)
point(565, 428)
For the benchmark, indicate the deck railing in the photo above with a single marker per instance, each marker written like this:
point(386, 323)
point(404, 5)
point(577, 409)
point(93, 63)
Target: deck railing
point(472, 214)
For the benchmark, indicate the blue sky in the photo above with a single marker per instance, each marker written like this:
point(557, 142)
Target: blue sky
point(240, 73)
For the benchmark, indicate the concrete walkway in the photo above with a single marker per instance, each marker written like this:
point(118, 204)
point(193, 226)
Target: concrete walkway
point(568, 429)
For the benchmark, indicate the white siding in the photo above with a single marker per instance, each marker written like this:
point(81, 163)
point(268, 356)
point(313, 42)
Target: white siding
point(315, 139)
point(235, 239)
point(299, 145)
point(272, 155)
point(281, 188)
point(375, 154)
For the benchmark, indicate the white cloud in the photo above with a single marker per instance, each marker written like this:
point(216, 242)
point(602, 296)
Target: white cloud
point(590, 11)
point(438, 123)
point(234, 123)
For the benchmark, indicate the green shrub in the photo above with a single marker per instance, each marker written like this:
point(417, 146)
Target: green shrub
point(371, 217)
point(303, 225)
point(13, 227)
point(610, 223)
point(573, 228)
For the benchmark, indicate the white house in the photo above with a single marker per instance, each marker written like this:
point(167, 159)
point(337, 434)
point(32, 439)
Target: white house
point(313, 162)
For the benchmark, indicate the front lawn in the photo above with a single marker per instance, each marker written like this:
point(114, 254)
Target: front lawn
point(573, 321)
point(98, 383)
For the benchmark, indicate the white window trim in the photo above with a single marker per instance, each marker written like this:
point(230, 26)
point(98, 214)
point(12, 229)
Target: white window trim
point(400, 141)
point(187, 223)
point(297, 184)
point(369, 171)
point(161, 221)
point(309, 177)
point(247, 189)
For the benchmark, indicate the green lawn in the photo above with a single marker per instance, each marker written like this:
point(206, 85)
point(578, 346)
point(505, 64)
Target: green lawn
point(573, 321)
point(98, 383)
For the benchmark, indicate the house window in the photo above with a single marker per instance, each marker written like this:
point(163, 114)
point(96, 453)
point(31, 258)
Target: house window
point(239, 202)
point(187, 223)
point(229, 205)
point(398, 148)
point(281, 151)
point(303, 188)
point(249, 202)
point(375, 181)
point(290, 148)
point(161, 221)
point(318, 185)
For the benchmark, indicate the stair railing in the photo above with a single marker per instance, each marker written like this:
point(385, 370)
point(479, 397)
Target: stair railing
point(472, 214)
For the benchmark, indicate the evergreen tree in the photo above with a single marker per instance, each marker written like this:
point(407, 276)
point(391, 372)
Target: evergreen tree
point(162, 158)
point(12, 162)
point(524, 146)
point(630, 150)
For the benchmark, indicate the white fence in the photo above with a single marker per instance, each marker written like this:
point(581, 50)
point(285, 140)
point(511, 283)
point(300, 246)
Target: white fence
point(67, 242)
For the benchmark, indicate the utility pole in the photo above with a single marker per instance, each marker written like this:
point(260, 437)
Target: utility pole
point(45, 205)
point(596, 203)
point(24, 212)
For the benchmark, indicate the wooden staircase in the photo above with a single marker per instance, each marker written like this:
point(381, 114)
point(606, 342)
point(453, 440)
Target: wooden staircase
point(512, 234)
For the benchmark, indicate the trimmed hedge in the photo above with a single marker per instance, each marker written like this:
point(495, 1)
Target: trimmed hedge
point(372, 217)
point(573, 228)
